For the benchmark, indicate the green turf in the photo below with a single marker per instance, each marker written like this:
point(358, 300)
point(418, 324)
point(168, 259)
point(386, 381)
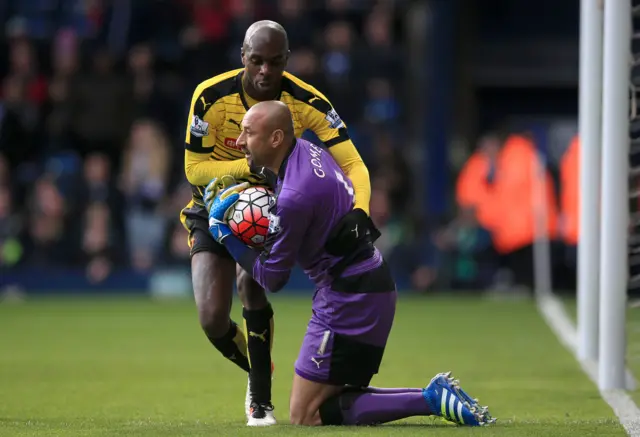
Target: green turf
point(633, 341)
point(133, 367)
point(633, 347)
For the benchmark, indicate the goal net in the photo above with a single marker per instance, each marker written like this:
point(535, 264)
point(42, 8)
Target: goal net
point(634, 157)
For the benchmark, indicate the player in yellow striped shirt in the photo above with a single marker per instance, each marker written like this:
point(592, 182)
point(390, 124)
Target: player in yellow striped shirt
point(217, 108)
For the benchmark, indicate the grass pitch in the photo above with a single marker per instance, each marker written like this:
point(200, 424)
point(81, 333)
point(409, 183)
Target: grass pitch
point(134, 367)
point(633, 347)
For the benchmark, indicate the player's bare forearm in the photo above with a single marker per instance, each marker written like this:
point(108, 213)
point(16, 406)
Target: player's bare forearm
point(349, 160)
point(199, 170)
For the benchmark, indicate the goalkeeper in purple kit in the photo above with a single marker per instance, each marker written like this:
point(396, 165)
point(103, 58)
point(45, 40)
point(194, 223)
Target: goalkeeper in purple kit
point(355, 298)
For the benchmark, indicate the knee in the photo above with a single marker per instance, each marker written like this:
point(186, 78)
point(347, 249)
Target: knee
point(296, 417)
point(302, 416)
point(214, 319)
point(303, 413)
point(251, 293)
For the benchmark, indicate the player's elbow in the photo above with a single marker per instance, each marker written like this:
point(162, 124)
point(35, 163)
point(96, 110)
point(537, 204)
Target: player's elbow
point(191, 173)
point(356, 170)
point(361, 167)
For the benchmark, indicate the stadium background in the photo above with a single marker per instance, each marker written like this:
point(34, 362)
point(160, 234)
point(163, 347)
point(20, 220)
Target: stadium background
point(448, 102)
point(93, 110)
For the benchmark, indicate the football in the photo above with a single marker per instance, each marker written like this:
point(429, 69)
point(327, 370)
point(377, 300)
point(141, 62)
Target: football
point(248, 219)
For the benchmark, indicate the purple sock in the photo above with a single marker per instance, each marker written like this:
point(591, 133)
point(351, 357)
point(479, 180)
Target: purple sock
point(373, 408)
point(391, 390)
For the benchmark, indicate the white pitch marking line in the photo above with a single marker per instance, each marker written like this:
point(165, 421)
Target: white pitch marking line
point(555, 315)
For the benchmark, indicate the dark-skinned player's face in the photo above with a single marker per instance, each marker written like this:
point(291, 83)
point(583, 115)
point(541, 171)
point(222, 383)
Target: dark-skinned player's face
point(264, 61)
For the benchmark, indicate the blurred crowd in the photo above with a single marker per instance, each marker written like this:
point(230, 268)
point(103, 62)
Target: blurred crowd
point(93, 106)
point(510, 196)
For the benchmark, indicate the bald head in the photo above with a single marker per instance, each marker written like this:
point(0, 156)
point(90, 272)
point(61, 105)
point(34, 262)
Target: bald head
point(267, 134)
point(265, 31)
point(274, 115)
point(265, 52)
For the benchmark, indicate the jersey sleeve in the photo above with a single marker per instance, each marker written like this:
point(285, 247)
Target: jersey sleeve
point(349, 160)
point(322, 118)
point(206, 116)
point(287, 227)
point(319, 116)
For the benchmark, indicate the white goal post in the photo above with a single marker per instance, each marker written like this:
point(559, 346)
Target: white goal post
point(604, 190)
point(589, 118)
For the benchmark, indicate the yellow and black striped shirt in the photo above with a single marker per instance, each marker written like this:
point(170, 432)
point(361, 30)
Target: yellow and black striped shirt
point(217, 108)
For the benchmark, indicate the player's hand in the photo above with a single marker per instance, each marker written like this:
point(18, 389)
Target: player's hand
point(351, 231)
point(214, 187)
point(219, 208)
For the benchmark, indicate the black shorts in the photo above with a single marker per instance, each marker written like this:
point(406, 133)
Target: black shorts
point(353, 362)
point(195, 219)
point(336, 359)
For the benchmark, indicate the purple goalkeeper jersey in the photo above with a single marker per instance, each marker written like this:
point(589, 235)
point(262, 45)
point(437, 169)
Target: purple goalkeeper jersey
point(312, 195)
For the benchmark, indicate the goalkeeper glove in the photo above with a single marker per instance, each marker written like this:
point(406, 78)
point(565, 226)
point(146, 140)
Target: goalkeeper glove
point(220, 206)
point(351, 231)
point(214, 187)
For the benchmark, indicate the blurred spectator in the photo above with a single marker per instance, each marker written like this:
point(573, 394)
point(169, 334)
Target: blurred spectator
point(177, 251)
point(65, 54)
point(343, 10)
point(155, 94)
point(338, 65)
point(97, 250)
point(11, 246)
point(519, 193)
point(49, 243)
point(93, 104)
point(144, 181)
point(5, 175)
point(569, 224)
point(391, 169)
point(23, 65)
point(294, 17)
point(387, 57)
point(474, 187)
point(385, 218)
point(65, 63)
point(16, 122)
point(337, 58)
point(143, 77)
point(101, 105)
point(569, 195)
point(468, 247)
point(381, 108)
point(98, 186)
point(304, 64)
point(206, 37)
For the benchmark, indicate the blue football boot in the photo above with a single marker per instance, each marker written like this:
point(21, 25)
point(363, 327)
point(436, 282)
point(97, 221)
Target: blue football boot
point(447, 400)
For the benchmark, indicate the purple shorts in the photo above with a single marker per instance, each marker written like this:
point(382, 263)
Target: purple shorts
point(346, 337)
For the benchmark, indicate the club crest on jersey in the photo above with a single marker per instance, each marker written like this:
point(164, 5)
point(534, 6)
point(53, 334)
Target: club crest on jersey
point(274, 224)
point(199, 127)
point(334, 119)
point(231, 143)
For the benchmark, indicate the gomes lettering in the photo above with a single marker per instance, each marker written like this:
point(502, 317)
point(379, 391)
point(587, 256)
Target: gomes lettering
point(315, 153)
